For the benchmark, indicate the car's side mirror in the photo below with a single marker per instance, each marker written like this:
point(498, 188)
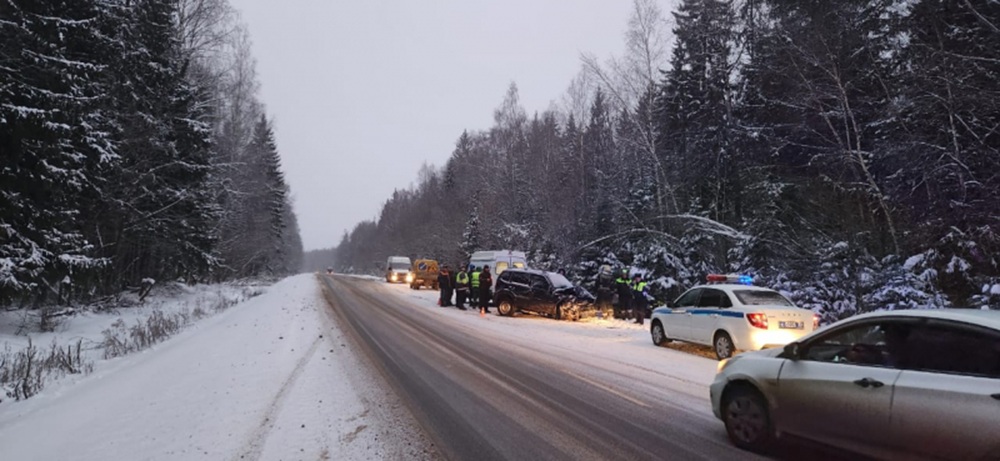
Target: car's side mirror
point(792, 351)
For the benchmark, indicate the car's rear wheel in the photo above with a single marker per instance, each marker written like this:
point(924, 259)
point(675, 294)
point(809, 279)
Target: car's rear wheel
point(747, 419)
point(724, 348)
point(658, 333)
point(504, 307)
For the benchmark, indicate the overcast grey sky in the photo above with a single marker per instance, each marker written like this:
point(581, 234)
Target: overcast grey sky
point(363, 92)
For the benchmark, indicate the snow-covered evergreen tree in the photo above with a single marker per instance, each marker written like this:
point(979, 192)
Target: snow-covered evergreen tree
point(54, 139)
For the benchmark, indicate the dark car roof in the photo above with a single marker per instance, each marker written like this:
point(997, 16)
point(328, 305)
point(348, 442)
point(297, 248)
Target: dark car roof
point(527, 271)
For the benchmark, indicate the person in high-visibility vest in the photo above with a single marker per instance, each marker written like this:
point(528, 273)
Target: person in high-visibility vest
point(474, 280)
point(639, 299)
point(461, 288)
point(624, 287)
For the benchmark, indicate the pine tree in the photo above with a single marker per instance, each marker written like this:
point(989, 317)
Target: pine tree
point(160, 212)
point(695, 108)
point(53, 141)
point(470, 237)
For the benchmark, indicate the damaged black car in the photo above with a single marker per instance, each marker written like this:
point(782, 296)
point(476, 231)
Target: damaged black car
point(541, 292)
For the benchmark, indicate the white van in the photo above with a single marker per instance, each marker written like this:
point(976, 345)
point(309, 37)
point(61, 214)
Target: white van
point(397, 270)
point(499, 261)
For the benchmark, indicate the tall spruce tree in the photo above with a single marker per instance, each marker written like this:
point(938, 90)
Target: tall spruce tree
point(54, 138)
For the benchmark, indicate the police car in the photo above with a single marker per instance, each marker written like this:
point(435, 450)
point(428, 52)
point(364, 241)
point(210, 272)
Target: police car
point(731, 314)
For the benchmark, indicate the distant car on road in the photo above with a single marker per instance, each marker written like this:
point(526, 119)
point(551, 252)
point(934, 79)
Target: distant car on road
point(729, 314)
point(541, 292)
point(920, 384)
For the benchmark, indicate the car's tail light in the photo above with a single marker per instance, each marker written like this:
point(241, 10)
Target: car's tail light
point(815, 321)
point(758, 320)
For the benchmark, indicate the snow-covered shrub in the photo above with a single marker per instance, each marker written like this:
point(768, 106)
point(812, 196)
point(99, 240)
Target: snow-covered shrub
point(24, 373)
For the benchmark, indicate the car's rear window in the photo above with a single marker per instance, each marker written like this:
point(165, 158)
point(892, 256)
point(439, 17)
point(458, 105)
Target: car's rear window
point(762, 298)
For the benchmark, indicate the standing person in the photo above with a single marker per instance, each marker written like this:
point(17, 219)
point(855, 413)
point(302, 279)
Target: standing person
point(605, 290)
point(444, 283)
point(485, 283)
point(624, 287)
point(474, 281)
point(639, 301)
point(461, 288)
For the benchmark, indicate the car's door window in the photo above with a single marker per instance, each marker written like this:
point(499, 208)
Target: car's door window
point(516, 278)
point(539, 283)
point(953, 348)
point(689, 299)
point(501, 266)
point(714, 298)
point(879, 344)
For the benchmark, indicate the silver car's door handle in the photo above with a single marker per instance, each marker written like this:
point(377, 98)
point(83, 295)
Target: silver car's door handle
point(868, 382)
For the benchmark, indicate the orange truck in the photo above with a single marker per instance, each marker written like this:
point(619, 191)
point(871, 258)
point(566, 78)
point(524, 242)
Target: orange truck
point(425, 274)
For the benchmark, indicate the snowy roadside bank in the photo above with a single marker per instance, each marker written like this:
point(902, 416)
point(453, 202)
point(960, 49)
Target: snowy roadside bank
point(33, 356)
point(271, 378)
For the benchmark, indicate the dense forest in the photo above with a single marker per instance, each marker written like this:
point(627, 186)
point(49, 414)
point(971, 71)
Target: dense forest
point(845, 152)
point(134, 150)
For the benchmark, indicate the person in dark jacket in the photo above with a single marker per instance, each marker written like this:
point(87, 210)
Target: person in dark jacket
point(624, 287)
point(639, 301)
point(605, 291)
point(485, 284)
point(446, 286)
point(461, 288)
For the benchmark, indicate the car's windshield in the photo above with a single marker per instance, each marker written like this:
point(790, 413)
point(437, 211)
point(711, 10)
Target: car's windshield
point(558, 281)
point(399, 266)
point(762, 298)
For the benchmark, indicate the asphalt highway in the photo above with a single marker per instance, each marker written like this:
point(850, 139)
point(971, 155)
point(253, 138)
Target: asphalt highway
point(481, 396)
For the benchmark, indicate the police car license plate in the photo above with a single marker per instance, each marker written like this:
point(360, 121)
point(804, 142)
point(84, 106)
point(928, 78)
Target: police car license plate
point(790, 325)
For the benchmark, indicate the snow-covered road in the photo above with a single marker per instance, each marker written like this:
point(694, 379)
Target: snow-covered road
point(269, 379)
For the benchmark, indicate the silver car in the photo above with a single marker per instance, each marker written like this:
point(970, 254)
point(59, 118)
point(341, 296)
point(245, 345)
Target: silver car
point(921, 384)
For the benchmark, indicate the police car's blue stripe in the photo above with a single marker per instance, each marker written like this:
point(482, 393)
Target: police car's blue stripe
point(719, 312)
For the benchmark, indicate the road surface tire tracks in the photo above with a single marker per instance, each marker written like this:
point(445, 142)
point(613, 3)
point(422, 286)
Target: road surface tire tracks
point(255, 443)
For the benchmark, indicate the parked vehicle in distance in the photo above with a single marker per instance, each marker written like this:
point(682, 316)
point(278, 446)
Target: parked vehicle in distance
point(730, 314)
point(397, 270)
point(919, 384)
point(540, 292)
point(425, 274)
point(499, 261)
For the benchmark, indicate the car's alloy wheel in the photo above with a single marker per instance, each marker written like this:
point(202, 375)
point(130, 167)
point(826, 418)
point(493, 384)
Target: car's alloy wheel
point(747, 420)
point(505, 308)
point(723, 346)
point(659, 336)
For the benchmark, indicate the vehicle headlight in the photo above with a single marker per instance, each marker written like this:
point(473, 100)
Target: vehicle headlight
point(409, 277)
point(393, 276)
point(725, 363)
